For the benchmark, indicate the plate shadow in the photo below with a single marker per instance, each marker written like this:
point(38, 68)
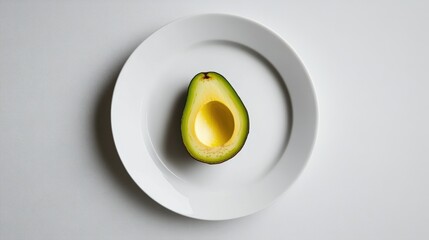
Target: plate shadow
point(109, 155)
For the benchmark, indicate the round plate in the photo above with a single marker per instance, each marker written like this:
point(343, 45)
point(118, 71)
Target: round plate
point(147, 107)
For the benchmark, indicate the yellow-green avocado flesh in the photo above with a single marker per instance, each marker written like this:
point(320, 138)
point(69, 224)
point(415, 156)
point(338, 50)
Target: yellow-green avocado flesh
point(215, 122)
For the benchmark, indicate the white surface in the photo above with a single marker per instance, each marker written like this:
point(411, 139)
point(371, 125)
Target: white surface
point(149, 98)
point(368, 175)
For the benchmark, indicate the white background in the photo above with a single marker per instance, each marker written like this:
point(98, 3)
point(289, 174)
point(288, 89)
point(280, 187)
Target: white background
point(368, 176)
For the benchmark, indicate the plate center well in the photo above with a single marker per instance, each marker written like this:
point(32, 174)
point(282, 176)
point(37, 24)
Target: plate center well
point(263, 93)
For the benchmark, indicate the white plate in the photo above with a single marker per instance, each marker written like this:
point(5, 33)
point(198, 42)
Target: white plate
point(149, 98)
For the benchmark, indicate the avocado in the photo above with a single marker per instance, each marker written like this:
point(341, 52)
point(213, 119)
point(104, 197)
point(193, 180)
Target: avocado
point(215, 122)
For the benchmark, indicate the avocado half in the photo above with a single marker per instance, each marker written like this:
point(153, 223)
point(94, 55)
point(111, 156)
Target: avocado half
point(215, 122)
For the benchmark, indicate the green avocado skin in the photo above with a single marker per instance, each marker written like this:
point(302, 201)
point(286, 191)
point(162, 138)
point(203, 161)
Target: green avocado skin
point(222, 155)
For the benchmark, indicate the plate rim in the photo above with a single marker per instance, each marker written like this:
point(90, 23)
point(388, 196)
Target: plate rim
point(295, 56)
